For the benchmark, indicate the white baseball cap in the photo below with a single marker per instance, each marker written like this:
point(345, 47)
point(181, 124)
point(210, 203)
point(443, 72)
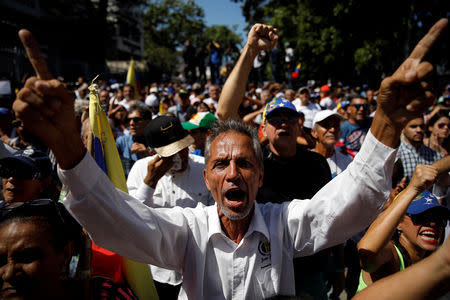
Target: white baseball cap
point(324, 114)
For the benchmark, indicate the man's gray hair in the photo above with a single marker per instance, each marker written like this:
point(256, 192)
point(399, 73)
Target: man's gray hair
point(85, 122)
point(237, 126)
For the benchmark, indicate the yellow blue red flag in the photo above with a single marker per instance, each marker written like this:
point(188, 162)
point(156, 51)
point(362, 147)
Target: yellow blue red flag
point(107, 157)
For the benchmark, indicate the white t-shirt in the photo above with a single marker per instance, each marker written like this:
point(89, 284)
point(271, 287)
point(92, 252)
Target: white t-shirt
point(309, 111)
point(327, 103)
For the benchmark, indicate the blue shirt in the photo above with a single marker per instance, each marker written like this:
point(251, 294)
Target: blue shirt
point(353, 134)
point(124, 144)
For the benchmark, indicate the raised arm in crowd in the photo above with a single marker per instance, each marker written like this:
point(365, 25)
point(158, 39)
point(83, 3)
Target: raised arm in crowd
point(236, 248)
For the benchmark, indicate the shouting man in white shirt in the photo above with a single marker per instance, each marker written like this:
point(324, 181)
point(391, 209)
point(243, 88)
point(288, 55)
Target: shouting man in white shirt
point(236, 249)
point(172, 177)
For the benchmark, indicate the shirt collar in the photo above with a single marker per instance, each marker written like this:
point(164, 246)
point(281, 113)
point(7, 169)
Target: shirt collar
point(410, 147)
point(256, 224)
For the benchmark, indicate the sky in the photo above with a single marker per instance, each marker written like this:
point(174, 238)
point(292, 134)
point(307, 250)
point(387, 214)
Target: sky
point(224, 12)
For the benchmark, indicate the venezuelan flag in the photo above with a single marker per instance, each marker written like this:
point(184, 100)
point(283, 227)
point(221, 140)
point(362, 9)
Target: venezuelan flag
point(296, 71)
point(107, 157)
point(132, 79)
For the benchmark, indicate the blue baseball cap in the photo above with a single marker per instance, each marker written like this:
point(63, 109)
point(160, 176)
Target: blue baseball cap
point(276, 104)
point(26, 164)
point(424, 202)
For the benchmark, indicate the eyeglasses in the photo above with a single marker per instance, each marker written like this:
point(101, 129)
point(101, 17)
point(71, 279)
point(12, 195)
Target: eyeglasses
point(135, 119)
point(46, 206)
point(424, 218)
point(358, 106)
point(277, 120)
point(442, 125)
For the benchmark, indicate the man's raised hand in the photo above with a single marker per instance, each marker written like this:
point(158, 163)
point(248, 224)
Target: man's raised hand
point(46, 108)
point(262, 37)
point(405, 95)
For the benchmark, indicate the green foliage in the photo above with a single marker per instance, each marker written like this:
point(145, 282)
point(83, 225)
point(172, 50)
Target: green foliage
point(223, 35)
point(169, 23)
point(351, 40)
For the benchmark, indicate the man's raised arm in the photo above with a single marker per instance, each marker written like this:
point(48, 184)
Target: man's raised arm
point(406, 94)
point(46, 109)
point(260, 37)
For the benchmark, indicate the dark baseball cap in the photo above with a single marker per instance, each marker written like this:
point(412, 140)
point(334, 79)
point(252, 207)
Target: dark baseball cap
point(166, 136)
point(26, 164)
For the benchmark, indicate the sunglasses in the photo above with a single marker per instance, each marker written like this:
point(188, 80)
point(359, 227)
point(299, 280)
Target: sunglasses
point(442, 125)
point(135, 119)
point(424, 218)
point(277, 120)
point(46, 206)
point(358, 106)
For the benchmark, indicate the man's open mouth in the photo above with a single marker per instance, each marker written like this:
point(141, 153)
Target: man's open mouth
point(235, 194)
point(235, 197)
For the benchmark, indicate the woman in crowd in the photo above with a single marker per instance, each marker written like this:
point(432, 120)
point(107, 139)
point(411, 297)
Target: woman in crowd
point(119, 115)
point(438, 127)
point(406, 232)
point(37, 242)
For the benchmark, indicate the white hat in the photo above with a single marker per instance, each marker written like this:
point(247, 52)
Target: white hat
point(324, 114)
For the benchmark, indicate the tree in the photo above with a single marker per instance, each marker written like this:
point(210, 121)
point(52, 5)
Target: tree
point(354, 41)
point(226, 37)
point(167, 24)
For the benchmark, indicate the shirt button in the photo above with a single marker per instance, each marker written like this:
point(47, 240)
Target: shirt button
point(173, 192)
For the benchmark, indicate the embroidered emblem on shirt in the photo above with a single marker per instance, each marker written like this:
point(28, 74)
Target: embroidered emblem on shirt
point(264, 250)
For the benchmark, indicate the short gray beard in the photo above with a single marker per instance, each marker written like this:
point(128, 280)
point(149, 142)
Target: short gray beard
point(237, 217)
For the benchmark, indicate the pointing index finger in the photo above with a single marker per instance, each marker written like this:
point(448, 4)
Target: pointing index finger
point(35, 55)
point(428, 40)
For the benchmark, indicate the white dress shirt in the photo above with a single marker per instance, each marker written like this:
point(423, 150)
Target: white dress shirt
point(191, 240)
point(184, 189)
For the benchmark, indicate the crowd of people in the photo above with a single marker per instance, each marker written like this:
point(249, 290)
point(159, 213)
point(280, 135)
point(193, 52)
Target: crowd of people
point(246, 190)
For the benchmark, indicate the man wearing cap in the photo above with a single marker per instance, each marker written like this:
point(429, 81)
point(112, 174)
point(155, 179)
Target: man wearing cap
point(237, 248)
point(304, 105)
point(172, 177)
point(326, 130)
point(183, 102)
point(25, 175)
point(199, 128)
point(325, 101)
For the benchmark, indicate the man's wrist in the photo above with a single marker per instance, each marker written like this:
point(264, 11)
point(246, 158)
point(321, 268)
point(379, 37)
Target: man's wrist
point(69, 157)
point(384, 130)
point(250, 51)
point(151, 181)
